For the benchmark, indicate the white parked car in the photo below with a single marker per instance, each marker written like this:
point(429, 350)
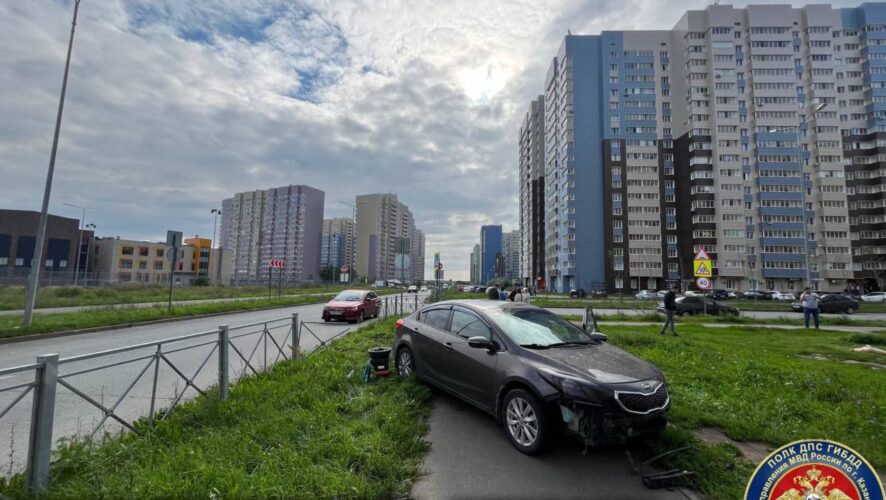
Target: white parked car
point(661, 293)
point(646, 295)
point(412, 289)
point(690, 293)
point(874, 297)
point(423, 289)
point(786, 296)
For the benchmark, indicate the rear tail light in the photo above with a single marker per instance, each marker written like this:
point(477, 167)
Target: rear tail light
point(399, 323)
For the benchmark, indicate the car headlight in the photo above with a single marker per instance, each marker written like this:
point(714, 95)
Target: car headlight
point(572, 387)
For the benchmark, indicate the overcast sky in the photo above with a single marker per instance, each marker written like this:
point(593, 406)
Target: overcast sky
point(174, 105)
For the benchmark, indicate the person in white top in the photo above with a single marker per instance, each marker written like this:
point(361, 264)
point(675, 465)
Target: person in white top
point(810, 306)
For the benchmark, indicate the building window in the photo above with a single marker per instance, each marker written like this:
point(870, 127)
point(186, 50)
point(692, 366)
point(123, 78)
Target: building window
point(49, 263)
point(142, 264)
point(125, 264)
point(127, 250)
point(19, 262)
point(4, 261)
point(63, 264)
point(158, 265)
point(159, 252)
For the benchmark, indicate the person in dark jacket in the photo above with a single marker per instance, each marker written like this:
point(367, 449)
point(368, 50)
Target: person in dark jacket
point(492, 293)
point(670, 306)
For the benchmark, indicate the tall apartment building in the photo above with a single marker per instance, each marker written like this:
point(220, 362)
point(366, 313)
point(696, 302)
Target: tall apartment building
point(385, 228)
point(475, 264)
point(337, 247)
point(418, 255)
point(490, 253)
point(280, 223)
point(532, 193)
point(752, 133)
point(510, 250)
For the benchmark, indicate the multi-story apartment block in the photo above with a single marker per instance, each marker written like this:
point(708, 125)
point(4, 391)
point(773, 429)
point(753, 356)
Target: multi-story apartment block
point(752, 133)
point(532, 194)
point(385, 229)
point(490, 253)
point(418, 255)
point(510, 250)
point(280, 223)
point(475, 264)
point(337, 247)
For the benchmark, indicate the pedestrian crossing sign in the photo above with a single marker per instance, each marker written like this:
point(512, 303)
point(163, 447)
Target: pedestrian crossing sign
point(702, 268)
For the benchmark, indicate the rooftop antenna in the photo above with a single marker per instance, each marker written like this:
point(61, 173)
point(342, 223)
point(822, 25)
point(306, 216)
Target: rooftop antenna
point(568, 32)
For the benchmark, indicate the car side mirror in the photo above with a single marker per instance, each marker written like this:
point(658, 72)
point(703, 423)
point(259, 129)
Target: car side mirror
point(481, 343)
point(599, 337)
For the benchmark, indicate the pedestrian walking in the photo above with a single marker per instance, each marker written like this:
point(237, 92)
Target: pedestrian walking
point(512, 296)
point(503, 293)
point(492, 293)
point(670, 306)
point(810, 306)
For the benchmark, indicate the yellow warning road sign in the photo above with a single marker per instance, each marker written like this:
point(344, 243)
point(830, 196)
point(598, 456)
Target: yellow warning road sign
point(702, 268)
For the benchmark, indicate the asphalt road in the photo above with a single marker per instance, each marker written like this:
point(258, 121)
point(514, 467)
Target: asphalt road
point(748, 314)
point(471, 458)
point(76, 417)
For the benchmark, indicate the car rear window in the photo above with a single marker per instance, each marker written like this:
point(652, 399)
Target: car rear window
point(438, 318)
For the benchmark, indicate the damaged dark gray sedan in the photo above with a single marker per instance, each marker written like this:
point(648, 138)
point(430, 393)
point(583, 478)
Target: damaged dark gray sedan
point(534, 371)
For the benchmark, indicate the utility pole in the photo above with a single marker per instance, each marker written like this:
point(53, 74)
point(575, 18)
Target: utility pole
point(34, 278)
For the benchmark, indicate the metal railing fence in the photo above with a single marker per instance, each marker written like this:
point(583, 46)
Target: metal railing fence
point(55, 383)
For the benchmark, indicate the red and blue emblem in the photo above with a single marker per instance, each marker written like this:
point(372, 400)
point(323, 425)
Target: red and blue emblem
point(814, 469)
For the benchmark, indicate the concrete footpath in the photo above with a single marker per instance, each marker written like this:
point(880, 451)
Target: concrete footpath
point(470, 457)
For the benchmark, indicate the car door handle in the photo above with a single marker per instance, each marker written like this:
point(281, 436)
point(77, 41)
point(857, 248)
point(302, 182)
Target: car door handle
point(447, 345)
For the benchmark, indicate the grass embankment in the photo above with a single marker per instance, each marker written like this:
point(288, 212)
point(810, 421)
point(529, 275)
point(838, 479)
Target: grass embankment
point(10, 326)
point(310, 428)
point(12, 298)
point(743, 305)
point(757, 385)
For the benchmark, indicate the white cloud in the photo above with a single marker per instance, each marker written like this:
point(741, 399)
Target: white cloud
point(174, 105)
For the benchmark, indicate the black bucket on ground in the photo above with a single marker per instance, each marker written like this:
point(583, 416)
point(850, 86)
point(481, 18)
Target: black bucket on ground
point(379, 357)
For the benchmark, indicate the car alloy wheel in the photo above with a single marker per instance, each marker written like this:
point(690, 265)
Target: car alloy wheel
point(850, 310)
point(405, 366)
point(522, 422)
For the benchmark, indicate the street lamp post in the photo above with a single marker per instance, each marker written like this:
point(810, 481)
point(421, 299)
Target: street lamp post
point(803, 120)
point(34, 278)
point(79, 240)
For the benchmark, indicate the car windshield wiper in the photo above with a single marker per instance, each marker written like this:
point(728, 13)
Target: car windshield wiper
point(571, 343)
point(534, 346)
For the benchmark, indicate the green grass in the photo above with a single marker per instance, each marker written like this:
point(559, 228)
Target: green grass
point(646, 317)
point(10, 326)
point(760, 385)
point(743, 305)
point(310, 428)
point(12, 298)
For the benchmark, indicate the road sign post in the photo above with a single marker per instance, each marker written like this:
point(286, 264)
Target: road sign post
point(279, 264)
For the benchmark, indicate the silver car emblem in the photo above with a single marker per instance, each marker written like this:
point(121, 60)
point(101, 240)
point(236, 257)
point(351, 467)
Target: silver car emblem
point(647, 385)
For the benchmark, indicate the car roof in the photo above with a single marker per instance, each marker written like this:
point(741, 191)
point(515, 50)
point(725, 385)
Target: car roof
point(483, 305)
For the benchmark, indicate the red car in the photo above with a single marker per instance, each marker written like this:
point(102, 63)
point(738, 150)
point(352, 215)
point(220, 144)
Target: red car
point(352, 306)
